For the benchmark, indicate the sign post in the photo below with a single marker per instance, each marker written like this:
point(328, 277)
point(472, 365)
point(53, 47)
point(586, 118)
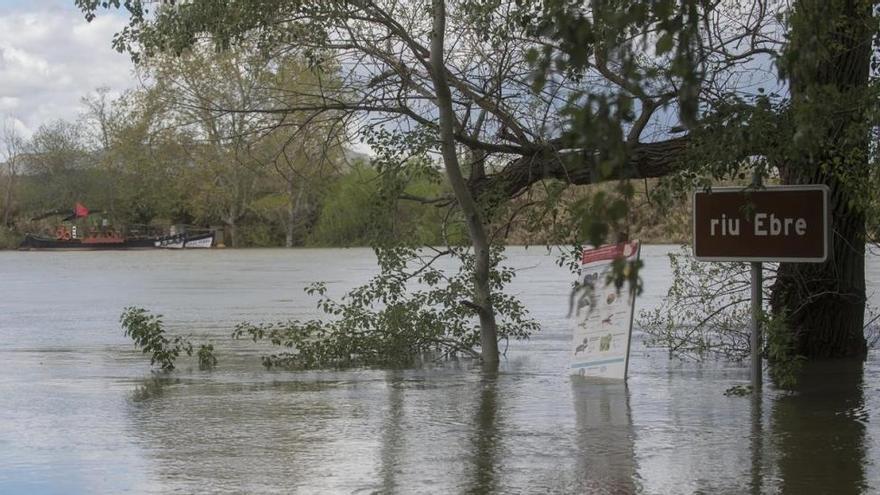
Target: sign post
point(757, 296)
point(775, 224)
point(757, 302)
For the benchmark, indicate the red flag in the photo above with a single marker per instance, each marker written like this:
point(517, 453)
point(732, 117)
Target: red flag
point(80, 211)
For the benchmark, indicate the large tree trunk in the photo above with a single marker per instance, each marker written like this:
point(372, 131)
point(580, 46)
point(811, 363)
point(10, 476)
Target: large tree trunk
point(828, 62)
point(473, 218)
point(825, 303)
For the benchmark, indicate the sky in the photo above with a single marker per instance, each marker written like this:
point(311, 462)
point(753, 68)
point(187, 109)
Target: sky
point(50, 57)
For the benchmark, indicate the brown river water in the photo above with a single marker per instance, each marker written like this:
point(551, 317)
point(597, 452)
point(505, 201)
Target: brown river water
point(81, 412)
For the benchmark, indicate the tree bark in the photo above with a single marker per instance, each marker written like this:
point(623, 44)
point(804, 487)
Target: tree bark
point(646, 160)
point(829, 61)
point(469, 208)
point(825, 303)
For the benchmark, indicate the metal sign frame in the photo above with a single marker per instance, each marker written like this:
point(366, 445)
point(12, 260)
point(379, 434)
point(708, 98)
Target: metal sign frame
point(826, 223)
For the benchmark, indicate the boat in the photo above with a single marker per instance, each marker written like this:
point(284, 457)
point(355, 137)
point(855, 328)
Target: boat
point(77, 234)
point(186, 240)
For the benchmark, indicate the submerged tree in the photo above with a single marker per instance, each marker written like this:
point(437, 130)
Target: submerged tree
point(534, 93)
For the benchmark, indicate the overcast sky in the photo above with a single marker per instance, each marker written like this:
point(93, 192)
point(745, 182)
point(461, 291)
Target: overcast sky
point(50, 57)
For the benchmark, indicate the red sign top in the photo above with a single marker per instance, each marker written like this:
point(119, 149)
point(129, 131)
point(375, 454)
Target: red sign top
point(609, 252)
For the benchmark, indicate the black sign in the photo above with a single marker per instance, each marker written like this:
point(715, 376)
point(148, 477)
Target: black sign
point(778, 223)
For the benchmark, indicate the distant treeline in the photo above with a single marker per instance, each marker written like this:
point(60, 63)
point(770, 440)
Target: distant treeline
point(344, 209)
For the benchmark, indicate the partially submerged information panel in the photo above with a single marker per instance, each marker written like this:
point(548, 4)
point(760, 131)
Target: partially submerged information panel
point(600, 346)
point(781, 223)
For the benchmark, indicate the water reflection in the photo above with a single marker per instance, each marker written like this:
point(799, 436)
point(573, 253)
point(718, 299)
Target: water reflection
point(265, 436)
point(819, 431)
point(152, 388)
point(392, 433)
point(486, 437)
point(756, 444)
point(605, 438)
point(464, 432)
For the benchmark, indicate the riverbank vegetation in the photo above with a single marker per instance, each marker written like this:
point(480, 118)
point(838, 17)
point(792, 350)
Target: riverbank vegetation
point(160, 184)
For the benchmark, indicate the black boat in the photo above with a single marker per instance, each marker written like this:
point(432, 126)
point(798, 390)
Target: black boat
point(33, 241)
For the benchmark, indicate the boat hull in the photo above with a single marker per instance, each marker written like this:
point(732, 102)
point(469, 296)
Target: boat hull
point(186, 241)
point(36, 242)
point(199, 241)
point(179, 241)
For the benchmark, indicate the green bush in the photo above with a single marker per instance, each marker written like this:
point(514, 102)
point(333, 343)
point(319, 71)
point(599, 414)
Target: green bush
point(355, 212)
point(347, 210)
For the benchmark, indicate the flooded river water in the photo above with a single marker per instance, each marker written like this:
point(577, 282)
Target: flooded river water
point(81, 412)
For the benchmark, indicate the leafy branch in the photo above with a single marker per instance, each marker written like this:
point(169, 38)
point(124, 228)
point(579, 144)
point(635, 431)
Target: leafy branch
point(148, 334)
point(386, 322)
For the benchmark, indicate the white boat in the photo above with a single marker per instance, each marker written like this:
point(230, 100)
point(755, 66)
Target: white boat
point(186, 241)
point(199, 241)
